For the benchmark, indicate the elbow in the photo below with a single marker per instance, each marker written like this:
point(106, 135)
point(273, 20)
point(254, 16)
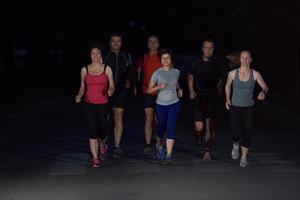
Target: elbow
point(226, 87)
point(149, 91)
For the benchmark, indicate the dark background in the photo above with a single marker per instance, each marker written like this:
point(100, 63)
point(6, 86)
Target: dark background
point(44, 46)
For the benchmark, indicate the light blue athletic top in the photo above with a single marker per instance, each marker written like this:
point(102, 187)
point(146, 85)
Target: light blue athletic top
point(168, 95)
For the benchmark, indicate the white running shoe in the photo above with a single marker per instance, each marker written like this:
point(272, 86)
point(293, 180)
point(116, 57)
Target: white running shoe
point(244, 162)
point(235, 153)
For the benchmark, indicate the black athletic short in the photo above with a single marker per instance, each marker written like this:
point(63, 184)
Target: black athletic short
point(118, 100)
point(205, 106)
point(149, 101)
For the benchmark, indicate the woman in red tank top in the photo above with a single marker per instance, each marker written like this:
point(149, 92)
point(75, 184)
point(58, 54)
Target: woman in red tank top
point(96, 85)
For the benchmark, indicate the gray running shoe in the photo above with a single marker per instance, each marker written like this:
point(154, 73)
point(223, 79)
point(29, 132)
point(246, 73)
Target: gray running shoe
point(235, 153)
point(244, 162)
point(117, 152)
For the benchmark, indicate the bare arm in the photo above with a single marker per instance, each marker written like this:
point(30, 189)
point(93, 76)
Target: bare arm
point(138, 79)
point(111, 87)
point(262, 84)
point(190, 81)
point(228, 89)
point(153, 87)
point(180, 93)
point(139, 71)
point(82, 85)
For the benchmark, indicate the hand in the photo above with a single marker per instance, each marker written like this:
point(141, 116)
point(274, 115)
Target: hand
point(134, 92)
point(192, 95)
point(180, 93)
point(261, 96)
point(77, 98)
point(110, 92)
point(228, 104)
point(162, 85)
point(127, 84)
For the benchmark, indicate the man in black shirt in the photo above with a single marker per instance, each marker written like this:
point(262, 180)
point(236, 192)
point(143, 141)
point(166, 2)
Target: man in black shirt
point(120, 63)
point(204, 80)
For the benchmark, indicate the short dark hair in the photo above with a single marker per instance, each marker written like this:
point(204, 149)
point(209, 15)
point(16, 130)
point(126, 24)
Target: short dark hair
point(116, 34)
point(166, 51)
point(153, 35)
point(208, 40)
point(95, 45)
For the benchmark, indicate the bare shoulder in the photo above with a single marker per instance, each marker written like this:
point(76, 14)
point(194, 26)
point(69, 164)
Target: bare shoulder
point(83, 73)
point(232, 71)
point(231, 74)
point(256, 74)
point(83, 69)
point(108, 70)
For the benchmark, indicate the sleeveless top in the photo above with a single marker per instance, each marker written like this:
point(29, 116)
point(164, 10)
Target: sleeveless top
point(242, 91)
point(96, 87)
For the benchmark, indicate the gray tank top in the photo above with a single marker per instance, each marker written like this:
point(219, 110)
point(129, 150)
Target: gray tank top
point(242, 91)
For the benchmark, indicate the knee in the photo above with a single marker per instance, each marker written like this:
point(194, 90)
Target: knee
point(198, 128)
point(149, 118)
point(118, 117)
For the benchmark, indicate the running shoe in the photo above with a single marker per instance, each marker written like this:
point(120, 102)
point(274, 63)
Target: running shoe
point(117, 152)
point(206, 155)
point(244, 162)
point(235, 153)
point(95, 163)
point(160, 154)
point(103, 151)
point(168, 160)
point(148, 151)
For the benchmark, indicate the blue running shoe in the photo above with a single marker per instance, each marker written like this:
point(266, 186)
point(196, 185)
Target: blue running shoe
point(160, 154)
point(168, 160)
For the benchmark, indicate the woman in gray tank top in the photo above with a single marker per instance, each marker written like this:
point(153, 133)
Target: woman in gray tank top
point(240, 103)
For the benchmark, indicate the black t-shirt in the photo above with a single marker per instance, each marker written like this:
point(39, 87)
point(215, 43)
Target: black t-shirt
point(207, 75)
point(120, 64)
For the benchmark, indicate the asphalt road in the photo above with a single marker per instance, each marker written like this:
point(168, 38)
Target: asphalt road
point(44, 155)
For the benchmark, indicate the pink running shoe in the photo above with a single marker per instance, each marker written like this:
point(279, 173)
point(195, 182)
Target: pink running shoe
point(95, 163)
point(103, 152)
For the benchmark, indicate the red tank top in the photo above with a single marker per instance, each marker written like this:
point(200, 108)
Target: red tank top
point(96, 88)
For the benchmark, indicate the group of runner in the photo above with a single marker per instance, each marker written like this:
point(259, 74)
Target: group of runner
point(105, 80)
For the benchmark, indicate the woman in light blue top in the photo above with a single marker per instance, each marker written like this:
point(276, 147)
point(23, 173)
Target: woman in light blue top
point(165, 81)
point(241, 104)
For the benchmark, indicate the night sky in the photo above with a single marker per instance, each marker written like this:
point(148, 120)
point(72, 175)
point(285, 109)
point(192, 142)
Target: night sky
point(267, 28)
